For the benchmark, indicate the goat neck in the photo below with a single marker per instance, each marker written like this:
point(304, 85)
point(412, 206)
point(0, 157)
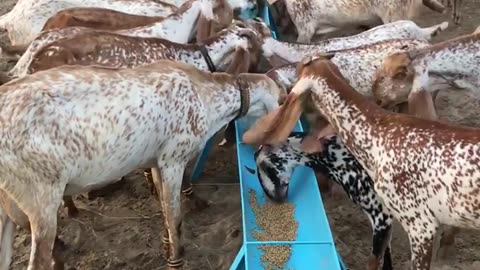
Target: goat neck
point(351, 115)
point(233, 96)
point(446, 54)
point(217, 50)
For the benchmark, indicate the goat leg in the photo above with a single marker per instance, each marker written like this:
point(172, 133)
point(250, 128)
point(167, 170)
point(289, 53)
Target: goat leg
point(381, 246)
point(72, 210)
point(166, 182)
point(447, 242)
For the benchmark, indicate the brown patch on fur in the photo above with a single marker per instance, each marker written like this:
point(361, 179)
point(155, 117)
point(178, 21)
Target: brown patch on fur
point(99, 18)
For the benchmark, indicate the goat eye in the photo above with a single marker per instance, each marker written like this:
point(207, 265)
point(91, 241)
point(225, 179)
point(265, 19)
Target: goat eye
point(400, 75)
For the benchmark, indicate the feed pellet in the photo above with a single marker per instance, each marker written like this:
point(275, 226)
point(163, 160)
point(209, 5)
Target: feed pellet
point(276, 222)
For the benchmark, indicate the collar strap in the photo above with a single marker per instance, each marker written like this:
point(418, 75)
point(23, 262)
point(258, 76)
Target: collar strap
point(207, 58)
point(244, 98)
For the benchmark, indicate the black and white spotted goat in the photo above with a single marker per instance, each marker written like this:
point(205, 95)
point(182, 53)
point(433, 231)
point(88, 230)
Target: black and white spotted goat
point(275, 165)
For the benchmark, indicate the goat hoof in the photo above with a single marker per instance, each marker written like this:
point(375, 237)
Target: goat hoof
point(175, 263)
point(197, 204)
point(60, 244)
point(373, 263)
point(58, 266)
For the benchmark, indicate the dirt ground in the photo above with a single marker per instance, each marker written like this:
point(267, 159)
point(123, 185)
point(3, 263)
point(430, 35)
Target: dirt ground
point(122, 230)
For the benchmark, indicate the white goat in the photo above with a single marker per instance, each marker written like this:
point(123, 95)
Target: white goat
point(25, 21)
point(285, 52)
point(324, 16)
point(73, 129)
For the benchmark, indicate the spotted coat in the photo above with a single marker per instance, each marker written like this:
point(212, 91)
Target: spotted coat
point(275, 165)
point(358, 65)
point(74, 128)
point(294, 52)
point(426, 172)
point(98, 18)
point(454, 63)
point(312, 17)
point(113, 50)
point(178, 27)
point(25, 21)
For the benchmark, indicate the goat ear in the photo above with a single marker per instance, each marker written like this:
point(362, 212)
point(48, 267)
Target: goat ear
point(421, 104)
point(204, 27)
point(256, 135)
point(240, 62)
point(276, 126)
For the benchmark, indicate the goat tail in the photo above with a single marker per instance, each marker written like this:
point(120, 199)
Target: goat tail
point(432, 31)
point(434, 5)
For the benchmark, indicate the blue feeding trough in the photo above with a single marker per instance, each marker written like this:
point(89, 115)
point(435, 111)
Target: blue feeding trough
point(313, 248)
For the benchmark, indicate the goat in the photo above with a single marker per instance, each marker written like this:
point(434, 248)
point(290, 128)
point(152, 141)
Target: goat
point(456, 5)
point(359, 65)
point(325, 16)
point(450, 64)
point(425, 172)
point(98, 18)
point(25, 21)
point(10, 217)
point(279, 52)
point(113, 50)
point(178, 27)
point(275, 165)
point(97, 124)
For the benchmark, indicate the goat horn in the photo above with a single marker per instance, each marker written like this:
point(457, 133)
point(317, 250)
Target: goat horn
point(327, 55)
point(307, 60)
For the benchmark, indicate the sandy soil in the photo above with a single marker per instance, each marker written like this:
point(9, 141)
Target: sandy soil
point(123, 229)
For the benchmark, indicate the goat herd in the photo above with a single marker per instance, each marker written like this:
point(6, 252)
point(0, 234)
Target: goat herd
point(104, 87)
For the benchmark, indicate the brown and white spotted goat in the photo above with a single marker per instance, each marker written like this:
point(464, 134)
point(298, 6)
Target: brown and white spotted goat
point(93, 125)
point(279, 53)
point(98, 18)
point(25, 21)
point(179, 27)
point(324, 16)
point(275, 165)
point(119, 51)
point(427, 173)
point(454, 63)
